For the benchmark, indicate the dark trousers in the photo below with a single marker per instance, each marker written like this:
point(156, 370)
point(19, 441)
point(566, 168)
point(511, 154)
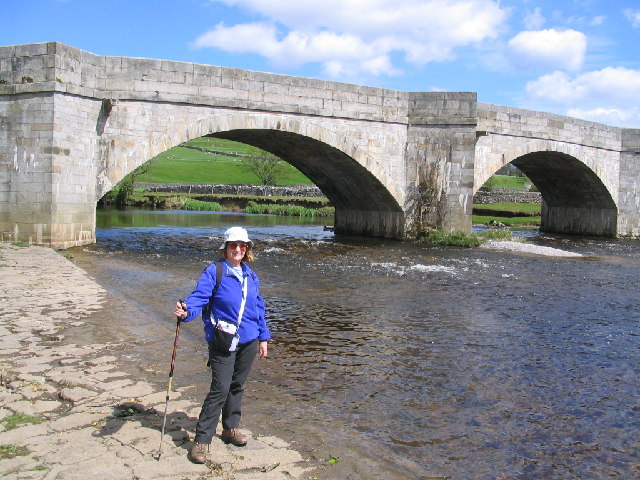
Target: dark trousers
point(229, 372)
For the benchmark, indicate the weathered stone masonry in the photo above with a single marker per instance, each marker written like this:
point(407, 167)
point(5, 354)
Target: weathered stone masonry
point(585, 171)
point(72, 124)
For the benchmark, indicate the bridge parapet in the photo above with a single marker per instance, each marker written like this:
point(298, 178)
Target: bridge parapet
point(56, 67)
point(513, 121)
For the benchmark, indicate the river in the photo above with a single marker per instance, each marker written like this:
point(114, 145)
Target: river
point(405, 361)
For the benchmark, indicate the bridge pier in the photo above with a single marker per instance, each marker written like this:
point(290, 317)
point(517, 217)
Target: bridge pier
point(440, 156)
point(598, 222)
point(629, 197)
point(369, 223)
point(47, 191)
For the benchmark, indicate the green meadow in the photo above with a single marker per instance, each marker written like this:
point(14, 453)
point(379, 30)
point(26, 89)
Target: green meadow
point(187, 165)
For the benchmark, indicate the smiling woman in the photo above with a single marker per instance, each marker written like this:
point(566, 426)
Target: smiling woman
point(227, 295)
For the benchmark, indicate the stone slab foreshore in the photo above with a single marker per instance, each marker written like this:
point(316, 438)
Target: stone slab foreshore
point(69, 411)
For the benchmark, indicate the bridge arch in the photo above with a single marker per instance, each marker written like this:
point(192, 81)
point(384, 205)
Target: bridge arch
point(576, 190)
point(355, 183)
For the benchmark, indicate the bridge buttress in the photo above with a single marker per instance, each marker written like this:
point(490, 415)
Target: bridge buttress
point(440, 158)
point(629, 199)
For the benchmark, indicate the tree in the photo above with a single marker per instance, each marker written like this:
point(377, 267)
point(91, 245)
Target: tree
point(121, 192)
point(265, 166)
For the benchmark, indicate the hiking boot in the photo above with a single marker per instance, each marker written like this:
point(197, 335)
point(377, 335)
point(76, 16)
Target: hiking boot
point(233, 435)
point(199, 452)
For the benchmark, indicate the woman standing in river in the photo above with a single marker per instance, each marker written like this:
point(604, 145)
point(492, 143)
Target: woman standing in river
point(227, 295)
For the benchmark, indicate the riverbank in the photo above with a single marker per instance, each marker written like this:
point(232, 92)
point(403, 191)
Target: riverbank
point(72, 410)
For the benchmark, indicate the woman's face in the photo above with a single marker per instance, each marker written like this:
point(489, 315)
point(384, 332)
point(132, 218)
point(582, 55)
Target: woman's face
point(236, 252)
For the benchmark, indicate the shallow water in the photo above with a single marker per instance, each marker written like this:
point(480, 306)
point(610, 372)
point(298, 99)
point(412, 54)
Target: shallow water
point(408, 361)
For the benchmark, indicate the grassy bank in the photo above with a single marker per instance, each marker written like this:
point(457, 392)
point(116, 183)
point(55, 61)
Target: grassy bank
point(509, 214)
point(297, 206)
point(291, 210)
point(507, 181)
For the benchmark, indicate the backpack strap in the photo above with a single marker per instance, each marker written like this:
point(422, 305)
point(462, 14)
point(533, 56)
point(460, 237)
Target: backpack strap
point(219, 270)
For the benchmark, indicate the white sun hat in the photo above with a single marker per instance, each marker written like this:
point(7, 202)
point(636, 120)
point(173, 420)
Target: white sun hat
point(236, 234)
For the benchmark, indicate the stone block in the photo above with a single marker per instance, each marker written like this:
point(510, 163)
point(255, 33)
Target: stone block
point(215, 93)
point(171, 66)
point(207, 70)
point(197, 79)
point(8, 51)
point(31, 49)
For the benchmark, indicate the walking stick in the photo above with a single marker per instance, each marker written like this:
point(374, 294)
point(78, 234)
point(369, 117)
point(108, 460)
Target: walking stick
point(166, 401)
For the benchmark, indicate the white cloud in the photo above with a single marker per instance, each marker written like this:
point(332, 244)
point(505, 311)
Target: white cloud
point(357, 36)
point(610, 95)
point(534, 20)
point(633, 16)
point(557, 87)
point(609, 116)
point(549, 49)
point(619, 84)
point(240, 38)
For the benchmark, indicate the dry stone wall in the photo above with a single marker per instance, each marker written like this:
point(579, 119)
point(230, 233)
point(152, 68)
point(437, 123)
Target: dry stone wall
point(502, 195)
point(248, 190)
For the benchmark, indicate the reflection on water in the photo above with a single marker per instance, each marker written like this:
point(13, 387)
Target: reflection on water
point(113, 218)
point(410, 361)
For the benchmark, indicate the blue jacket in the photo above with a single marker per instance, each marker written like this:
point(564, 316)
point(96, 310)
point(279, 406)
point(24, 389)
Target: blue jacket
point(226, 303)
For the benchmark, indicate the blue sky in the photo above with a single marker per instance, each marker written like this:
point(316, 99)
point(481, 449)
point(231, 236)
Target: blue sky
point(573, 57)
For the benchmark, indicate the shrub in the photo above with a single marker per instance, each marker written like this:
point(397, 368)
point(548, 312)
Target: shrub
point(290, 210)
point(461, 239)
point(454, 239)
point(201, 206)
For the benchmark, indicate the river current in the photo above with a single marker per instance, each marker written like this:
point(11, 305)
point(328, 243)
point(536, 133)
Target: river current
point(405, 361)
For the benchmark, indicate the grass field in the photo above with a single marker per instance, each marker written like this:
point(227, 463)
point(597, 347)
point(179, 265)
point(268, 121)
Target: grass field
point(186, 165)
point(508, 213)
point(504, 181)
point(508, 209)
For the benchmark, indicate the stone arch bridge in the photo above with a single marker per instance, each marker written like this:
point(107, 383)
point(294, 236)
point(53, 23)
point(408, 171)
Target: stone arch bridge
point(73, 124)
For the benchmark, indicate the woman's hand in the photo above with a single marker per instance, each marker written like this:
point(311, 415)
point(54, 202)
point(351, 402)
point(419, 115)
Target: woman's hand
point(263, 350)
point(181, 310)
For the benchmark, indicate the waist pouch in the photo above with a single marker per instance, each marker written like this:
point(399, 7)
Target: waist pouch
point(225, 336)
